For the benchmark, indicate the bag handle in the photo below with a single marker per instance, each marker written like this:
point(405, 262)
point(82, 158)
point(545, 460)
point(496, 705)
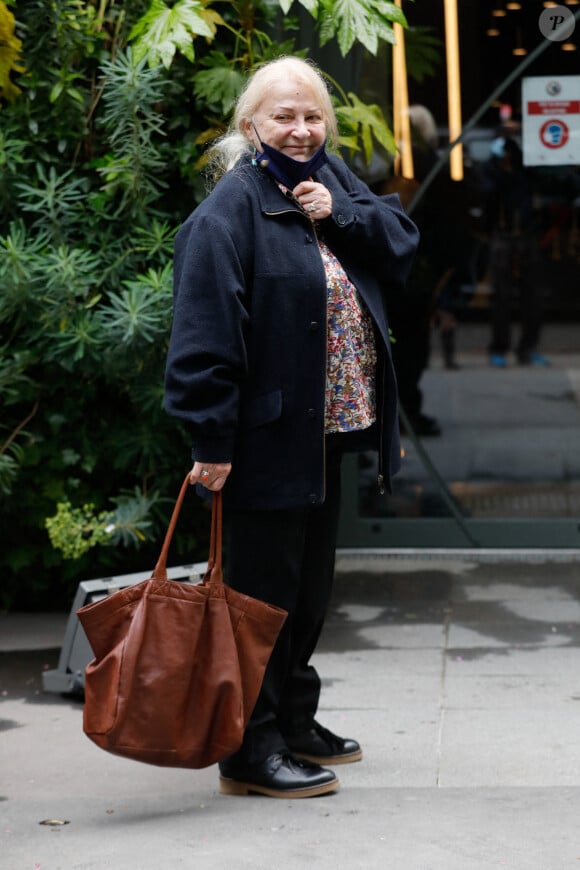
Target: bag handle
point(214, 572)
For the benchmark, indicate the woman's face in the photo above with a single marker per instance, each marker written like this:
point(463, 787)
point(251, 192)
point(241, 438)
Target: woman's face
point(289, 119)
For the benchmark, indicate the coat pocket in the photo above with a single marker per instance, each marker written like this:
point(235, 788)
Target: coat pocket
point(261, 410)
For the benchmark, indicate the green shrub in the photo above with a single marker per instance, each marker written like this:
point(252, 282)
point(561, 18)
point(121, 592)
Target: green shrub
point(105, 109)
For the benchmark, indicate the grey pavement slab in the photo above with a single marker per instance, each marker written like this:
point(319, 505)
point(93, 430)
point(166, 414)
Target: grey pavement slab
point(402, 829)
point(461, 679)
point(514, 425)
point(28, 631)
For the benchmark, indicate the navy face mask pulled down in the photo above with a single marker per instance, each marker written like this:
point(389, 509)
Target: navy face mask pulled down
point(285, 169)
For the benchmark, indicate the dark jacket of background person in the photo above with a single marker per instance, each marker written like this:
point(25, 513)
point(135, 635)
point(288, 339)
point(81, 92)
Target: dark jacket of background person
point(508, 193)
point(247, 360)
point(509, 221)
point(440, 217)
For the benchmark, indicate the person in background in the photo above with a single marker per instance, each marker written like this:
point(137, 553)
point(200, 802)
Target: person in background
point(430, 300)
point(279, 362)
point(512, 257)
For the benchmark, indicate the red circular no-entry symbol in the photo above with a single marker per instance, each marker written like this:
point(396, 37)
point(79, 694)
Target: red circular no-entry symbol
point(554, 133)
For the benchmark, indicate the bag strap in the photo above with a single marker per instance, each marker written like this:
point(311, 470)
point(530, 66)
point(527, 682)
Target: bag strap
point(214, 572)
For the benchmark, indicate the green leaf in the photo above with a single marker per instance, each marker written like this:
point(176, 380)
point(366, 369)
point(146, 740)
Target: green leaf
point(9, 468)
point(140, 312)
point(75, 339)
point(69, 456)
point(56, 91)
point(163, 30)
point(131, 516)
point(310, 5)
point(10, 53)
point(424, 52)
point(366, 21)
point(76, 95)
point(369, 122)
point(156, 237)
point(350, 142)
point(219, 86)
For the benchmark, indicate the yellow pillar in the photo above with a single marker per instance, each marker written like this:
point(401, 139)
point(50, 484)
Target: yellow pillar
point(401, 121)
point(453, 87)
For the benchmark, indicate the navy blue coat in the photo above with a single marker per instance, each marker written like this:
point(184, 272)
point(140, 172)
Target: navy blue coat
point(246, 367)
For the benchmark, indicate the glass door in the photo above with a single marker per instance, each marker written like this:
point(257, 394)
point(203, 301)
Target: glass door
point(487, 341)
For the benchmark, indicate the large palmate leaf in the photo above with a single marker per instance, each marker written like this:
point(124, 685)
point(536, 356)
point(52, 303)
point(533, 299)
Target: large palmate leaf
point(369, 22)
point(364, 123)
point(163, 30)
point(220, 85)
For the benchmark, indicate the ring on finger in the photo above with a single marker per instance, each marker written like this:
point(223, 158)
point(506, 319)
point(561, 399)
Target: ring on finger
point(204, 473)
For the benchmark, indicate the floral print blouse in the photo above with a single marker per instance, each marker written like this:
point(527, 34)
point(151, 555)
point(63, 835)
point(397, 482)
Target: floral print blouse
point(351, 357)
point(350, 402)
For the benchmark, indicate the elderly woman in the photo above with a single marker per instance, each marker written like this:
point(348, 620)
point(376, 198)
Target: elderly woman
point(279, 362)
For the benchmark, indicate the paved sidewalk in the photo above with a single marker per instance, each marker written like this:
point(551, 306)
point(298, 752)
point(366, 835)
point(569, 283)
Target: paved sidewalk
point(461, 679)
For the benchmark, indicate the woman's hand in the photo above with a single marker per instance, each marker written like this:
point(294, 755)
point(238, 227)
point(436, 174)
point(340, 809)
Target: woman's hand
point(212, 475)
point(314, 198)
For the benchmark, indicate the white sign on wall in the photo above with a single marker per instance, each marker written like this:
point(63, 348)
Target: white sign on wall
point(551, 120)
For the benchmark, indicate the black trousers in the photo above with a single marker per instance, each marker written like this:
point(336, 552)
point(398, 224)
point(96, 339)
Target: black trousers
point(286, 557)
point(513, 262)
point(410, 320)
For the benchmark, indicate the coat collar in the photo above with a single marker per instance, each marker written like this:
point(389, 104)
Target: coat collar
point(271, 199)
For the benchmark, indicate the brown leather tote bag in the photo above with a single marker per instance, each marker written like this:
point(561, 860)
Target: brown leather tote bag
point(178, 667)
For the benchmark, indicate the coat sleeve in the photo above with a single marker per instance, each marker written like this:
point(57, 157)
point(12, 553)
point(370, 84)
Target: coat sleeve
point(374, 229)
point(207, 359)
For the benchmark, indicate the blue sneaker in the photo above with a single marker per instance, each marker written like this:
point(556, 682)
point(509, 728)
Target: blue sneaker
point(498, 360)
point(536, 359)
point(533, 359)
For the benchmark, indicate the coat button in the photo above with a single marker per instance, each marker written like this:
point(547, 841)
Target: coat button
point(311, 413)
point(309, 239)
point(313, 326)
point(341, 220)
point(313, 498)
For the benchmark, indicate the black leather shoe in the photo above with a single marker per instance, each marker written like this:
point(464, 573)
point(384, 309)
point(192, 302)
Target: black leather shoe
point(323, 747)
point(280, 775)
